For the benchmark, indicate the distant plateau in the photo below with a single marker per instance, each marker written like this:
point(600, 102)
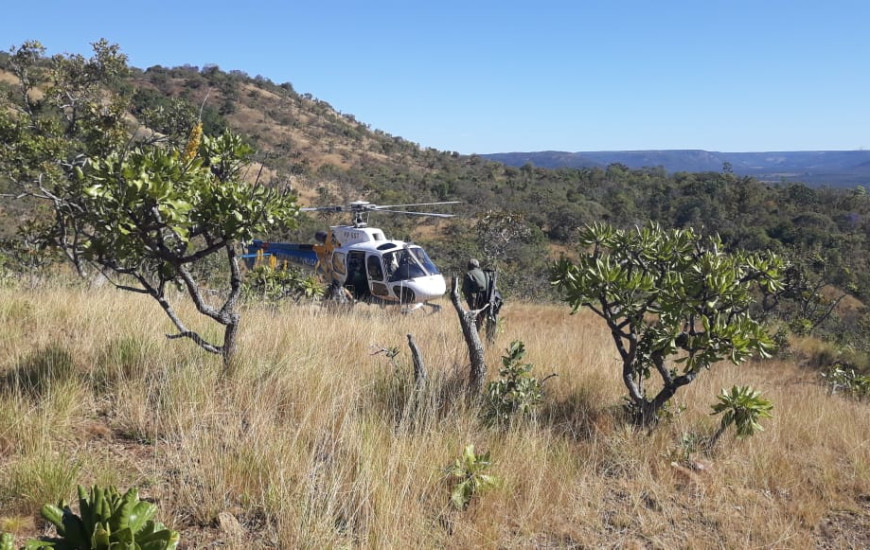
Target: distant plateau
point(816, 168)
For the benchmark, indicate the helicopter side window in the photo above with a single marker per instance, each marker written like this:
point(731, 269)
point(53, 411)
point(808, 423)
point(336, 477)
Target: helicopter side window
point(376, 272)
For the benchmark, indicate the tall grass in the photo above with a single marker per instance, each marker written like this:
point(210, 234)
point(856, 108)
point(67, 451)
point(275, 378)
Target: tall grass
point(319, 440)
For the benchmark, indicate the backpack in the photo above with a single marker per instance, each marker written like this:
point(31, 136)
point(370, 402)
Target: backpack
point(491, 294)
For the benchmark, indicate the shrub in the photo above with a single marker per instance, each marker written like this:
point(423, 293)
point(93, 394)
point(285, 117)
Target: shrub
point(107, 520)
point(516, 393)
point(743, 407)
point(848, 382)
point(471, 481)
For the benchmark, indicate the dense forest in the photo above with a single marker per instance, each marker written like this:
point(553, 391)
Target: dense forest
point(516, 219)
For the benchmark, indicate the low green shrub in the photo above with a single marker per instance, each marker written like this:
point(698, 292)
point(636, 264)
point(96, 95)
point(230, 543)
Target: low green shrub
point(107, 520)
point(516, 393)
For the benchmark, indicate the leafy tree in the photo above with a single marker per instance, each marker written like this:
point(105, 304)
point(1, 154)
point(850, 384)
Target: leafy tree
point(47, 136)
point(810, 294)
point(668, 295)
point(141, 216)
point(148, 214)
point(516, 248)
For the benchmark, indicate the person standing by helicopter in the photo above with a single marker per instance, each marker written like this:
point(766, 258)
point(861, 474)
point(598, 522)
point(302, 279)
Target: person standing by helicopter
point(480, 291)
point(474, 289)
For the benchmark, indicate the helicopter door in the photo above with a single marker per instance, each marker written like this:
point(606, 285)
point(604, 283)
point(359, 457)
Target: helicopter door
point(356, 274)
point(376, 276)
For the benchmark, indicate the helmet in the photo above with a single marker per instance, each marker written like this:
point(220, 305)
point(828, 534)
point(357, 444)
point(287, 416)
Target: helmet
point(473, 263)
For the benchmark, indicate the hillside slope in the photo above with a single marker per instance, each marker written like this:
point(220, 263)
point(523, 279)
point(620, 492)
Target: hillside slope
point(517, 218)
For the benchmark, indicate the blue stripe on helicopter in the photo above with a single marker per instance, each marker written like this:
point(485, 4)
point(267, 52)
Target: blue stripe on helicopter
point(301, 254)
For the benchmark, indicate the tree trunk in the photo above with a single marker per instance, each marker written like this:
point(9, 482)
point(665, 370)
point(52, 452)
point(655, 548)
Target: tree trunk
point(648, 411)
point(419, 367)
point(715, 438)
point(228, 350)
point(467, 319)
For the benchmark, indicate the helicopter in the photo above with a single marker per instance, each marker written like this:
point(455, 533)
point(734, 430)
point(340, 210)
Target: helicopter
point(362, 260)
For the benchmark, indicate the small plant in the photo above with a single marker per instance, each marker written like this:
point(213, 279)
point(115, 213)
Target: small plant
point(272, 283)
point(743, 407)
point(847, 381)
point(688, 444)
point(782, 346)
point(517, 392)
point(107, 520)
point(670, 410)
point(472, 481)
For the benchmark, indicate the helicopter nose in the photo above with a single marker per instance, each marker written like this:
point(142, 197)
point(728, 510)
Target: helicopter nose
point(421, 289)
point(432, 287)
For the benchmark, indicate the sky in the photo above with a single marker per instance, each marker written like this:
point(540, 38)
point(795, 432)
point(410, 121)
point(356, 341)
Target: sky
point(509, 76)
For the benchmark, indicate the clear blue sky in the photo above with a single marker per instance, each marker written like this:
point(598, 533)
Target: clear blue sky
point(486, 77)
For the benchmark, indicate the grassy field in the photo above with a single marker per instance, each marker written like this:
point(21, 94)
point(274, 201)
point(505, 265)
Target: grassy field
point(317, 439)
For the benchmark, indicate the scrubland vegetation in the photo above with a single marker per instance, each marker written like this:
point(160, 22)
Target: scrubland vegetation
point(306, 428)
point(318, 439)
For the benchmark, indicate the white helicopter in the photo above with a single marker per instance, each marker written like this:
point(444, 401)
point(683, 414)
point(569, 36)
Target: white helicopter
point(363, 261)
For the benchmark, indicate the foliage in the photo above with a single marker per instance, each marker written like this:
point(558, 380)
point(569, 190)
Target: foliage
point(847, 381)
point(27, 253)
point(668, 295)
point(141, 216)
point(810, 293)
point(743, 407)
point(517, 392)
point(333, 151)
point(513, 246)
point(468, 471)
point(106, 520)
point(151, 212)
point(271, 283)
point(688, 444)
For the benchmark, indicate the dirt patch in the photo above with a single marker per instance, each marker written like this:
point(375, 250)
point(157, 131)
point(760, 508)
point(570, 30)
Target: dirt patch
point(846, 528)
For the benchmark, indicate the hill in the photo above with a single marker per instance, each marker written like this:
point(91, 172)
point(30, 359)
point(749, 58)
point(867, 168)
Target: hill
point(832, 168)
point(518, 218)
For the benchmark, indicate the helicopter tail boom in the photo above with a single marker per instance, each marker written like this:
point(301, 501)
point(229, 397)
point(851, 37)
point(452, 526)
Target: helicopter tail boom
point(298, 254)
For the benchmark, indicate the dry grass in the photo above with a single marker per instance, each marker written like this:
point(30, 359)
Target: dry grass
point(317, 440)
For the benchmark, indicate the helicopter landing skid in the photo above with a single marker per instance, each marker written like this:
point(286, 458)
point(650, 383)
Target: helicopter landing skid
point(414, 307)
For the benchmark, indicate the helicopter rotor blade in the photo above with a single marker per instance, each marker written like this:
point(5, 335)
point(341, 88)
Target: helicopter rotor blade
point(322, 209)
point(430, 214)
point(386, 206)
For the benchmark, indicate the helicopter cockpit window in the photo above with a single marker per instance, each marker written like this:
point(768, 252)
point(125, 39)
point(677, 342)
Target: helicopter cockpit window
point(408, 263)
point(373, 264)
point(423, 258)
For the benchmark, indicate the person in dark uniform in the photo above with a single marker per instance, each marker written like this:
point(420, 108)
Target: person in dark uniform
point(474, 288)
